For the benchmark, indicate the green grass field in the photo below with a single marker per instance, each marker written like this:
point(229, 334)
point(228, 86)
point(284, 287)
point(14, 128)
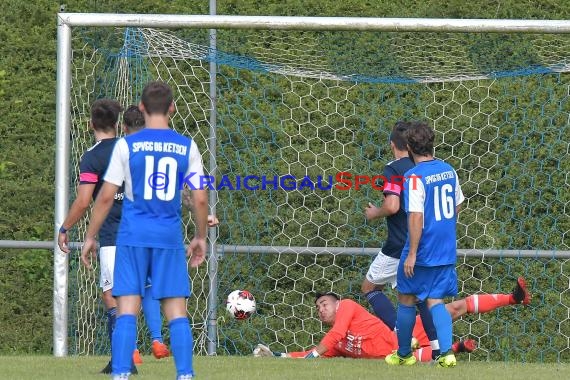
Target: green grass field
point(224, 367)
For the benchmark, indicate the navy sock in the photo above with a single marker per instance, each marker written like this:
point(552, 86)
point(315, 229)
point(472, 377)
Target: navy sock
point(429, 328)
point(404, 328)
point(111, 319)
point(383, 307)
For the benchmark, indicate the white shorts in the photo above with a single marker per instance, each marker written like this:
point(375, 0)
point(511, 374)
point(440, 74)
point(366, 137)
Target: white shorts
point(383, 270)
point(107, 264)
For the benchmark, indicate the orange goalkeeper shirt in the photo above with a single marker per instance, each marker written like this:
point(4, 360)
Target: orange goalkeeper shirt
point(358, 334)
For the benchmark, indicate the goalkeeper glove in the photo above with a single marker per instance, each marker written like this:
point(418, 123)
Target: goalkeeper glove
point(261, 351)
point(311, 355)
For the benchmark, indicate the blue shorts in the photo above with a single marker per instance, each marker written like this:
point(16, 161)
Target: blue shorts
point(136, 266)
point(428, 282)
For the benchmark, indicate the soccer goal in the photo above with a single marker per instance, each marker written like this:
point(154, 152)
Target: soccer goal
point(291, 102)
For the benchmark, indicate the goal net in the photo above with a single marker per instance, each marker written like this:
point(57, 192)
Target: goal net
point(294, 109)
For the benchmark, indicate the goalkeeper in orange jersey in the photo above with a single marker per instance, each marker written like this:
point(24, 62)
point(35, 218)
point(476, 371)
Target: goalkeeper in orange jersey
point(356, 333)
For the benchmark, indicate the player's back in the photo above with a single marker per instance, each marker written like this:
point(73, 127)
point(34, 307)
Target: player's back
point(158, 160)
point(442, 194)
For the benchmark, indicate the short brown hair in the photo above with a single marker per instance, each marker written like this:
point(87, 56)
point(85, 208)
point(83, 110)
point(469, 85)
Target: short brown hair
point(420, 138)
point(398, 135)
point(105, 114)
point(133, 118)
point(157, 98)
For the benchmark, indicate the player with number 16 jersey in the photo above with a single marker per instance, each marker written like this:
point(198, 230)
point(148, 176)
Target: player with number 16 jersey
point(432, 188)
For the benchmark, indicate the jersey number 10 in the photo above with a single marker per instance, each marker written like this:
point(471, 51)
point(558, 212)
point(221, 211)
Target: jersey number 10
point(160, 182)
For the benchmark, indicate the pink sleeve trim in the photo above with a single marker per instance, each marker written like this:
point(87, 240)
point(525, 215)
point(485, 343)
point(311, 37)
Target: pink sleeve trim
point(392, 188)
point(88, 177)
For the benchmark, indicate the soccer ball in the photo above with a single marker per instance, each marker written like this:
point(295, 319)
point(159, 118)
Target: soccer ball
point(240, 304)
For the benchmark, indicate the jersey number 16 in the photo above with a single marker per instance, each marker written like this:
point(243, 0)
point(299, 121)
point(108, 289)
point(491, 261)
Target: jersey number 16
point(443, 202)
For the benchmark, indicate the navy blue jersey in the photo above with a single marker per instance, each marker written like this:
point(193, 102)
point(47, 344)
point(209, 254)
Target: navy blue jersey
point(397, 224)
point(433, 189)
point(92, 168)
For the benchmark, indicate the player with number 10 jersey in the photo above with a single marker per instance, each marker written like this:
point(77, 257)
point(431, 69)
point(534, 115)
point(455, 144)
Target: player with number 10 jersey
point(151, 208)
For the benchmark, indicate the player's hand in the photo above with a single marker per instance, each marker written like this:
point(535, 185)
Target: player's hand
point(371, 212)
point(197, 252)
point(213, 221)
point(262, 351)
point(88, 251)
point(409, 265)
point(62, 242)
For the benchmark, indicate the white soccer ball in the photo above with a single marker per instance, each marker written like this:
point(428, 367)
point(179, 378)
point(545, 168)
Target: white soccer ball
point(240, 304)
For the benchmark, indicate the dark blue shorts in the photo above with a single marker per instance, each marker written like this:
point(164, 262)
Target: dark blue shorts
point(428, 282)
point(135, 267)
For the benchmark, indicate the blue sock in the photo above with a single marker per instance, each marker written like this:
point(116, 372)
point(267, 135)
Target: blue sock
point(383, 307)
point(443, 325)
point(124, 338)
point(151, 311)
point(404, 327)
point(181, 344)
point(431, 333)
point(111, 319)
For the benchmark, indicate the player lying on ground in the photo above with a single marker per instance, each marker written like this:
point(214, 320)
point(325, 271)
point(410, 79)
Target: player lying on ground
point(356, 333)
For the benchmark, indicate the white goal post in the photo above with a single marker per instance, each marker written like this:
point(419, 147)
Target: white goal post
point(67, 21)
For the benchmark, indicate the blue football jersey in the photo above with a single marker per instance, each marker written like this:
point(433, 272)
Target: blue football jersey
point(432, 188)
point(154, 164)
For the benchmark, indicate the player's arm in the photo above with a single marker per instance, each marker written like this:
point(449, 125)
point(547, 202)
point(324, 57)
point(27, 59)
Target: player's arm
point(76, 212)
point(200, 210)
point(389, 207)
point(415, 227)
point(188, 202)
point(197, 248)
point(344, 316)
point(391, 189)
point(415, 210)
point(264, 351)
point(459, 197)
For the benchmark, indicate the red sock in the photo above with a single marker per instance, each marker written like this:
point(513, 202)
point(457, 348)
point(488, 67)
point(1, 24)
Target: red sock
point(483, 303)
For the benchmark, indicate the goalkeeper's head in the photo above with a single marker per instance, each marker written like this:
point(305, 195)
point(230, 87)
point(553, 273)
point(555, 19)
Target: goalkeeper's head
point(323, 294)
point(327, 304)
